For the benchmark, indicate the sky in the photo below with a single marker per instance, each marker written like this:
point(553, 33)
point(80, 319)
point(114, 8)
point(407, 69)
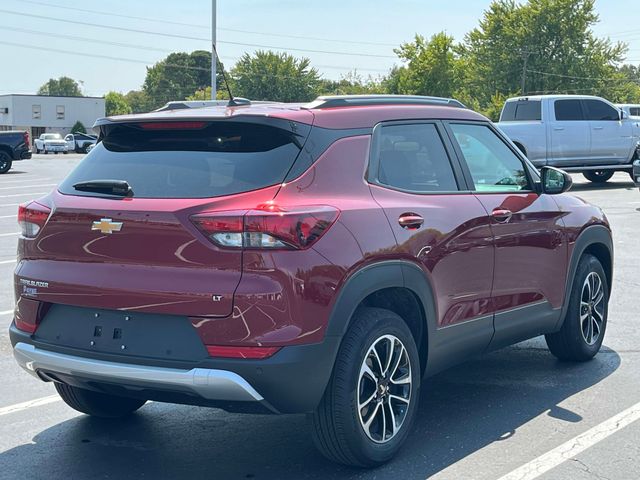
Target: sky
point(338, 36)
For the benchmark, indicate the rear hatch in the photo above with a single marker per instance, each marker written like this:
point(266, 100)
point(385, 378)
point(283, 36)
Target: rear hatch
point(139, 250)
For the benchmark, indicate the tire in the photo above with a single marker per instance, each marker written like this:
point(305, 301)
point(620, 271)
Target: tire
point(97, 404)
point(5, 162)
point(598, 176)
point(577, 341)
point(85, 149)
point(338, 425)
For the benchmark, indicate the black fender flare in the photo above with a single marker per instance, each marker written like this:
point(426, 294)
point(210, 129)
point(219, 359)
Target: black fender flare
point(377, 276)
point(592, 235)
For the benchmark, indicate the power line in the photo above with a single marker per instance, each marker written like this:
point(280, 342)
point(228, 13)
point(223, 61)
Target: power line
point(580, 78)
point(251, 32)
point(187, 37)
point(126, 45)
point(134, 60)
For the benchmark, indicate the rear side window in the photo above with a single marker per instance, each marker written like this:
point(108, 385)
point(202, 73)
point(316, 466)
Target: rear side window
point(519, 111)
point(413, 158)
point(634, 111)
point(597, 110)
point(209, 160)
point(568, 110)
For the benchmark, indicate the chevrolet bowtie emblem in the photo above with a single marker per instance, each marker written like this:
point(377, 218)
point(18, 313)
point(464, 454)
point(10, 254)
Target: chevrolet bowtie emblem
point(106, 225)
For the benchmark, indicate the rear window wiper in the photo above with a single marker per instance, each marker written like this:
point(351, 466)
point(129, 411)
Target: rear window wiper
point(108, 187)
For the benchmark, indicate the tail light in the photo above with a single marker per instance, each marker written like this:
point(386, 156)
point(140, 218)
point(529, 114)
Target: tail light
point(26, 139)
point(241, 352)
point(268, 227)
point(32, 217)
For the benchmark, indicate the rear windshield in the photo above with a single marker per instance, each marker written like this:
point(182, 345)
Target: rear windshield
point(523, 110)
point(209, 160)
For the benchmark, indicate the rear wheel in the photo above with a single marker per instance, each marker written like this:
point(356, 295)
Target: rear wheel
point(598, 176)
point(97, 404)
point(582, 332)
point(369, 405)
point(5, 162)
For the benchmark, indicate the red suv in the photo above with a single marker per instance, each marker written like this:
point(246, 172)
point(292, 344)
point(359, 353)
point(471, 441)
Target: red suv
point(319, 258)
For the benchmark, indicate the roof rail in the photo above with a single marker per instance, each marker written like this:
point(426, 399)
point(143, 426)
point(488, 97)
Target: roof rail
point(183, 104)
point(332, 101)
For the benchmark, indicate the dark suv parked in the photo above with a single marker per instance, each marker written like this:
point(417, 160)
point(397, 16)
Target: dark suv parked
point(319, 258)
point(14, 145)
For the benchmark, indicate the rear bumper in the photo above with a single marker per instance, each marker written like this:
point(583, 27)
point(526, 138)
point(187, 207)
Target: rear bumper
point(292, 381)
point(209, 384)
point(25, 155)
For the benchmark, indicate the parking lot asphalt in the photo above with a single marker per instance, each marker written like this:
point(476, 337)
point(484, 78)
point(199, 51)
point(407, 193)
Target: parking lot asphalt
point(516, 413)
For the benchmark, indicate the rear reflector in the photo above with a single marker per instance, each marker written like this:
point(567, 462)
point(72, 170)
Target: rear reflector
point(268, 227)
point(241, 352)
point(31, 218)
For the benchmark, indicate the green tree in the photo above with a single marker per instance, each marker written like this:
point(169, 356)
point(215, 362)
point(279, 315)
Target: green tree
point(431, 67)
point(138, 101)
point(116, 104)
point(176, 77)
point(553, 39)
point(351, 84)
point(280, 77)
point(78, 127)
point(63, 86)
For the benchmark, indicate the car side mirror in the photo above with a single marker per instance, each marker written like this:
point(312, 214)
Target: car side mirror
point(555, 181)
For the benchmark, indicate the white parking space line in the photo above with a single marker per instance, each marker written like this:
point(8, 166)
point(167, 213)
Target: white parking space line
point(9, 234)
point(28, 186)
point(6, 312)
point(18, 407)
point(10, 205)
point(22, 194)
point(8, 216)
point(11, 182)
point(6, 262)
point(575, 446)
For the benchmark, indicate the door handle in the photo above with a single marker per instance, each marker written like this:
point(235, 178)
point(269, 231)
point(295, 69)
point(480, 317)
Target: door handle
point(558, 129)
point(410, 221)
point(501, 215)
point(598, 128)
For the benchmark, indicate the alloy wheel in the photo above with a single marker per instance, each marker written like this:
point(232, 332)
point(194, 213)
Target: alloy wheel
point(592, 305)
point(384, 389)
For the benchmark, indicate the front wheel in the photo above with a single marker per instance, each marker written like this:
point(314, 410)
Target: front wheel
point(598, 176)
point(97, 404)
point(369, 406)
point(5, 162)
point(582, 332)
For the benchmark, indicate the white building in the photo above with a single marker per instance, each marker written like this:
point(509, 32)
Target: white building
point(44, 113)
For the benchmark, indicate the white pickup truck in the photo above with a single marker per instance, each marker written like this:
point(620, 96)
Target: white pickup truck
point(576, 133)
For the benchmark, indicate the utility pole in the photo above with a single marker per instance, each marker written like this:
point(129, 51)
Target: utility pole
point(525, 58)
point(214, 59)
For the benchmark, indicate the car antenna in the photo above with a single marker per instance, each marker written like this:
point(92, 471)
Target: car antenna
point(233, 101)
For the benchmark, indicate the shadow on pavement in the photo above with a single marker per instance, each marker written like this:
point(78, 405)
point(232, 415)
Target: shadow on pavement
point(610, 185)
point(462, 411)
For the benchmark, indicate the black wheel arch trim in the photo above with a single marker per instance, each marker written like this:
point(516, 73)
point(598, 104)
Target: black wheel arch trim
point(591, 235)
point(378, 276)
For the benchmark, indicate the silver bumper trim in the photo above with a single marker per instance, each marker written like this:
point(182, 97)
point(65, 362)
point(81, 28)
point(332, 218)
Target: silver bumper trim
point(206, 383)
